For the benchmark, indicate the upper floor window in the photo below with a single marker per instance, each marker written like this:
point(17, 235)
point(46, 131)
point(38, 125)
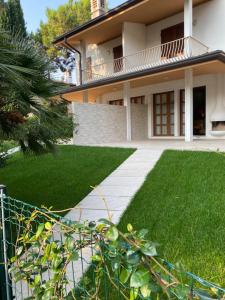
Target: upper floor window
point(172, 41)
point(102, 3)
point(118, 58)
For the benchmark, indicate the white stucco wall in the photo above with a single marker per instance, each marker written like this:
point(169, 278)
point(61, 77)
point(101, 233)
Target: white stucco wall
point(134, 37)
point(208, 19)
point(209, 24)
point(102, 56)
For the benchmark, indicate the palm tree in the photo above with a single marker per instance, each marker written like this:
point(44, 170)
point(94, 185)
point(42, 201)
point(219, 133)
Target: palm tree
point(28, 111)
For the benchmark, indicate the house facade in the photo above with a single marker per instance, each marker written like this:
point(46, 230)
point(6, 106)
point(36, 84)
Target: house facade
point(149, 69)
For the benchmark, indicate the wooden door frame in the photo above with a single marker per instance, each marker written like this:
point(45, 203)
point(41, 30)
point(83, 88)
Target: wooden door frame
point(117, 67)
point(168, 114)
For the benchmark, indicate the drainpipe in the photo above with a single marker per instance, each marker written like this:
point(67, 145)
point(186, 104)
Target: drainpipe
point(74, 50)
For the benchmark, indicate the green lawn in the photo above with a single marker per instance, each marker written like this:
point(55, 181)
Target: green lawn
point(182, 203)
point(60, 180)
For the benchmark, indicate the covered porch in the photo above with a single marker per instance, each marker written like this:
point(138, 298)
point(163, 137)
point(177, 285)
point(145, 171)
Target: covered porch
point(176, 104)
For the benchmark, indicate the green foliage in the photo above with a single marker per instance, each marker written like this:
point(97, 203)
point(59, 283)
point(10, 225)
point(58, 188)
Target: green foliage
point(6, 145)
point(39, 251)
point(63, 19)
point(11, 17)
point(29, 112)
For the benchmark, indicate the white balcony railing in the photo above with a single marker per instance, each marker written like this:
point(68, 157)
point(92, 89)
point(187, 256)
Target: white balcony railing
point(148, 58)
point(63, 78)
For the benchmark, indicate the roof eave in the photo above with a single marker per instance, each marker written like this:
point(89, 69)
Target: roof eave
point(97, 20)
point(216, 55)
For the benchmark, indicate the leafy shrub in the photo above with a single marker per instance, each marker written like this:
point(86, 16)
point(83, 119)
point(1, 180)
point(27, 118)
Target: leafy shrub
point(127, 262)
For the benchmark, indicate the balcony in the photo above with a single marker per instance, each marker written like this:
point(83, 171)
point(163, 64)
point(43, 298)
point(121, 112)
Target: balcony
point(163, 54)
point(63, 78)
point(171, 52)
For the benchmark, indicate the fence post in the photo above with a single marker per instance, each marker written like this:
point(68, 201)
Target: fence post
point(5, 288)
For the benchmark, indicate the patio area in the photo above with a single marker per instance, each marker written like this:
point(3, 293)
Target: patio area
point(175, 144)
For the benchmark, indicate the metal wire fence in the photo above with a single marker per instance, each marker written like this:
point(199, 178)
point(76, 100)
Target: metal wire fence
point(81, 281)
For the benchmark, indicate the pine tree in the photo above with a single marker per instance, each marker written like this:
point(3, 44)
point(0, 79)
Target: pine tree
point(12, 18)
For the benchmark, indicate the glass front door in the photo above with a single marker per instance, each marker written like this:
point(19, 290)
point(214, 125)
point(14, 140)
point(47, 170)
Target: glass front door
point(163, 104)
point(199, 111)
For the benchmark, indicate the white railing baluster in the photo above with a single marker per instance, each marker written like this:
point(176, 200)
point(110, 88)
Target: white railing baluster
point(148, 58)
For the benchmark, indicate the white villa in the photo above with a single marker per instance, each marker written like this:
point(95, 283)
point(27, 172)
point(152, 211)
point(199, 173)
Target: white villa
point(149, 69)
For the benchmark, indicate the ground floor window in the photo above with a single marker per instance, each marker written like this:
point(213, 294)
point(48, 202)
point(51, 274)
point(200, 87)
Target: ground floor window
point(163, 110)
point(138, 100)
point(133, 100)
point(116, 102)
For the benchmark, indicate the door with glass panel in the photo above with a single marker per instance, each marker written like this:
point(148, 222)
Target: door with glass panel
point(163, 111)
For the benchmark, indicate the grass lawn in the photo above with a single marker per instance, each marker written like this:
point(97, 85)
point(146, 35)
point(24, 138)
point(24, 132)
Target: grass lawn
point(182, 203)
point(60, 180)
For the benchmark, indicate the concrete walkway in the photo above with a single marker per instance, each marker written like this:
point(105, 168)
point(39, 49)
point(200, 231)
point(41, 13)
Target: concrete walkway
point(111, 198)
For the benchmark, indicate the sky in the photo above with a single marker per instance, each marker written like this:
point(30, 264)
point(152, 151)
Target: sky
point(34, 10)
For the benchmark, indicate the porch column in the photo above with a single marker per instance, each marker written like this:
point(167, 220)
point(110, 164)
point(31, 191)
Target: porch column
point(188, 18)
point(176, 113)
point(85, 96)
point(74, 120)
point(188, 25)
point(126, 99)
point(150, 115)
point(83, 58)
point(189, 105)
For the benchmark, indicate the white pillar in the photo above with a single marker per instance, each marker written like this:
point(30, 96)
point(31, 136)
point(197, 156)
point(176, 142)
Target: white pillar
point(176, 113)
point(126, 99)
point(83, 51)
point(85, 96)
point(188, 105)
point(83, 54)
point(150, 115)
point(188, 18)
point(188, 26)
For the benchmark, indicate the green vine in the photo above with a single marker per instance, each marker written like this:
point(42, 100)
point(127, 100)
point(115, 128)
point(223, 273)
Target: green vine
point(123, 265)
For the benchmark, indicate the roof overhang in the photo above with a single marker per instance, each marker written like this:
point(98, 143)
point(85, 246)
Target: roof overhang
point(110, 24)
point(211, 63)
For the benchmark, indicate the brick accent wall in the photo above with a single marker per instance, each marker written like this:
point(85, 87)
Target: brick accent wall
point(103, 123)
point(99, 123)
point(139, 121)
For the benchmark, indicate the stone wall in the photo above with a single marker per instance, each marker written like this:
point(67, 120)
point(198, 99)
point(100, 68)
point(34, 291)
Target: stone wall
point(139, 121)
point(99, 123)
point(103, 123)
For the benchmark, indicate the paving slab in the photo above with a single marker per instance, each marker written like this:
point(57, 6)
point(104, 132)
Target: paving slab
point(118, 189)
point(122, 180)
point(110, 202)
point(111, 198)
